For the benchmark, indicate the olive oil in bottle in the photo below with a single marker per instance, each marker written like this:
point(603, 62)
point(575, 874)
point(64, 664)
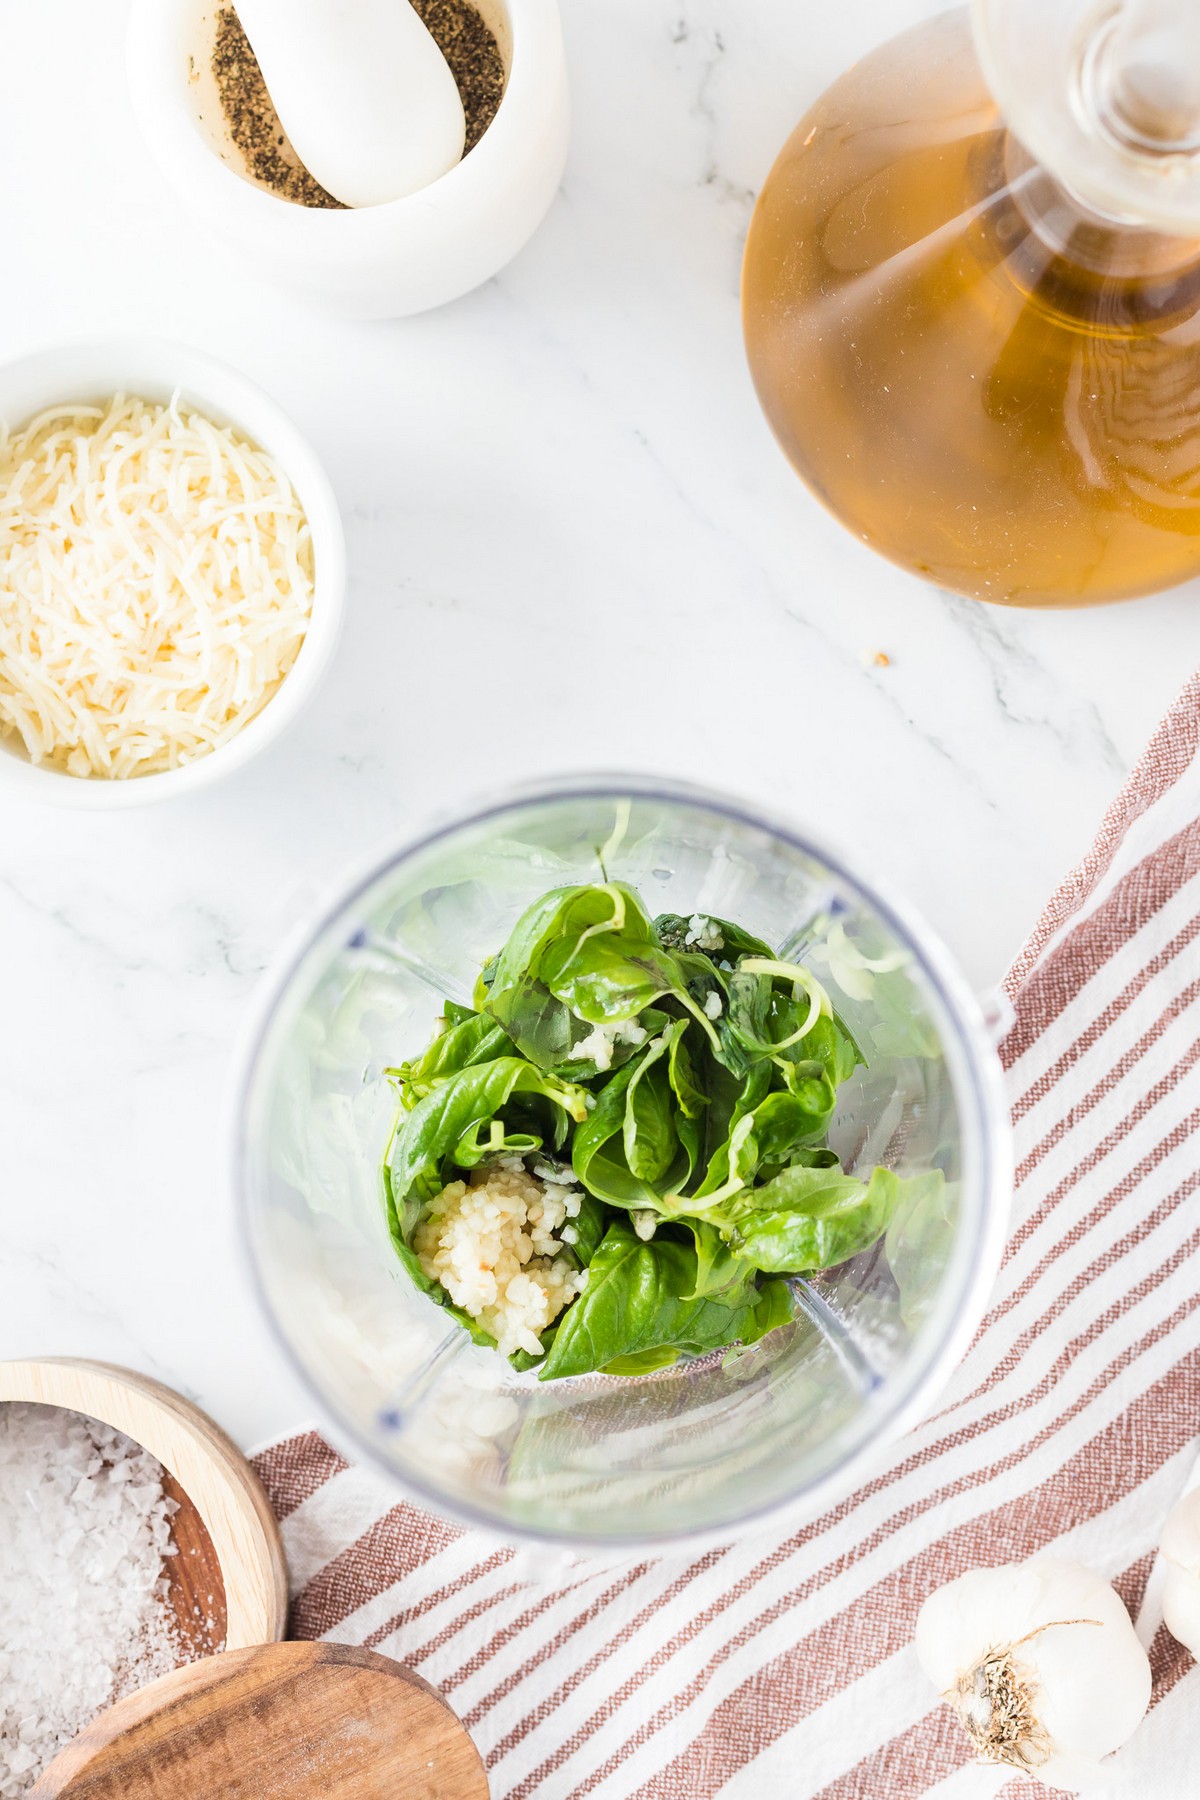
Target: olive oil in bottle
point(987, 369)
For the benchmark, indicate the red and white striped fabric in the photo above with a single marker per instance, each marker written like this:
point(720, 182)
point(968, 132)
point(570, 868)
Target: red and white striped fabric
point(780, 1668)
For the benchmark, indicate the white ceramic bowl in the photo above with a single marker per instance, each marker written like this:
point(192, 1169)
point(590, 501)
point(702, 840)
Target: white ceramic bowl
point(155, 371)
point(371, 261)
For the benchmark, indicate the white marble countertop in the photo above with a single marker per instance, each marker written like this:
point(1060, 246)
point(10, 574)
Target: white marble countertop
point(563, 479)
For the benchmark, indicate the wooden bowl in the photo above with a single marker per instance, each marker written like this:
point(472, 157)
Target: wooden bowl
point(228, 1582)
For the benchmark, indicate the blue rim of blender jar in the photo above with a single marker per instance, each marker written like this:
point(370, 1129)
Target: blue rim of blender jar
point(980, 1067)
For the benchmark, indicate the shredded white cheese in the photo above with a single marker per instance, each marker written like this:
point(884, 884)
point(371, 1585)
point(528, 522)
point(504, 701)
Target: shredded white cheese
point(156, 579)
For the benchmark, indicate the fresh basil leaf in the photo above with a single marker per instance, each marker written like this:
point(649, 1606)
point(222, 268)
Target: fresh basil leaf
point(644, 1364)
point(467, 1041)
point(818, 1158)
point(591, 1223)
point(830, 1045)
point(769, 1015)
point(738, 942)
point(605, 1121)
point(488, 1138)
point(535, 1022)
point(546, 1031)
point(731, 1167)
point(562, 1129)
point(564, 911)
point(583, 959)
point(847, 1054)
point(633, 1304)
point(733, 1162)
point(610, 1178)
point(426, 1136)
point(719, 1270)
point(813, 1099)
point(648, 1129)
point(681, 1174)
point(724, 1090)
point(673, 930)
point(699, 983)
point(773, 1307)
point(591, 950)
point(598, 1151)
point(802, 1190)
point(607, 980)
point(483, 984)
point(682, 1072)
point(809, 1219)
point(748, 1015)
point(560, 926)
point(789, 1119)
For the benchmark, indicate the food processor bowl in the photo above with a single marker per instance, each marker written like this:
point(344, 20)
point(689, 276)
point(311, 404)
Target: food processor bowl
point(701, 1449)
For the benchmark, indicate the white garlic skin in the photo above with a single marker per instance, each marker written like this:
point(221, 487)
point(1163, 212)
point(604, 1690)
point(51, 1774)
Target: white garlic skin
point(1180, 1551)
point(1092, 1681)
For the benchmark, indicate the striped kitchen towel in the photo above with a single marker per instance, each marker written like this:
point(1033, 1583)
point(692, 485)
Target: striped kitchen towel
point(780, 1667)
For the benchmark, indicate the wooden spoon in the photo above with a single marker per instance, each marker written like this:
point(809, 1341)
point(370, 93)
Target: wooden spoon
point(284, 1722)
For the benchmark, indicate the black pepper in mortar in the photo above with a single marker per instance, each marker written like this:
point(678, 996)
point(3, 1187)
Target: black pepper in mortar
point(467, 43)
point(473, 54)
point(252, 120)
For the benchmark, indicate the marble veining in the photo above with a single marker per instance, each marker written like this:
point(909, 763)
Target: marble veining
point(573, 542)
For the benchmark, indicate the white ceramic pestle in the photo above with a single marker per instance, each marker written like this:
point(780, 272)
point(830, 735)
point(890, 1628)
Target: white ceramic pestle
point(362, 91)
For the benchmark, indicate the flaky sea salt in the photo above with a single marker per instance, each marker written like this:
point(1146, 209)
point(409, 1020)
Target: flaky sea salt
point(84, 1529)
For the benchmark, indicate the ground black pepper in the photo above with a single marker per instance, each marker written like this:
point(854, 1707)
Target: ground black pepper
point(253, 122)
point(473, 54)
point(466, 42)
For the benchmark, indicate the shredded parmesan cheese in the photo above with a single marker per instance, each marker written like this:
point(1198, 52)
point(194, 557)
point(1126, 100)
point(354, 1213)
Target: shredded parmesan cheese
point(156, 578)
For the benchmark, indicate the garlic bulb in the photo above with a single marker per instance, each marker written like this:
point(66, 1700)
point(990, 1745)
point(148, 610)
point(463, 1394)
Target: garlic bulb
point(1180, 1551)
point(1041, 1663)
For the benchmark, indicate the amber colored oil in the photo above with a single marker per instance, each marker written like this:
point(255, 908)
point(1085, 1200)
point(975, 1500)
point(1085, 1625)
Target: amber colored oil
point(983, 382)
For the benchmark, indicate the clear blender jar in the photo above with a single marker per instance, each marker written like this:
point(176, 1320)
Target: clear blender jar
point(700, 1448)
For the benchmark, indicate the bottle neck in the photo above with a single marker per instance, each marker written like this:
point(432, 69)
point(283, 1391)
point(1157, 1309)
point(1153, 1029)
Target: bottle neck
point(1140, 77)
point(1106, 95)
point(1069, 227)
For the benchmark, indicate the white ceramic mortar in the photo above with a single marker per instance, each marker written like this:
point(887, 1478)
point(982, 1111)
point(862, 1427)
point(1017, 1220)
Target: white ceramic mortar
point(369, 262)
